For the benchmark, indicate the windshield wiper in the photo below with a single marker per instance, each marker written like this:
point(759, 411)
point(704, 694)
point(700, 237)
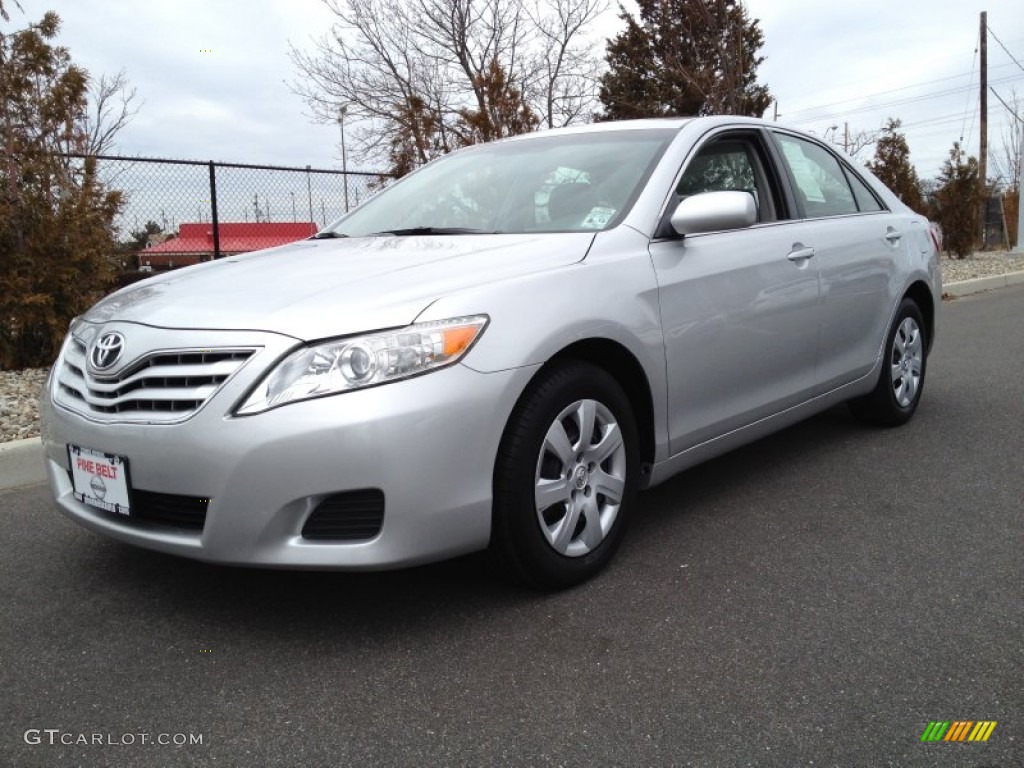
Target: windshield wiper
point(327, 235)
point(436, 231)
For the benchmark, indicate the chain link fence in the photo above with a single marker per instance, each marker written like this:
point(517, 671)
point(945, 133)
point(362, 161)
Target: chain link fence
point(181, 212)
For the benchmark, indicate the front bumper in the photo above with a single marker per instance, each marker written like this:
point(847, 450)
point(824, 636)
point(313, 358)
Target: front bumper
point(429, 443)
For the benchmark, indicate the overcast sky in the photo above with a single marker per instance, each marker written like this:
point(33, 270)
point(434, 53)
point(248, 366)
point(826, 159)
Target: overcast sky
point(213, 73)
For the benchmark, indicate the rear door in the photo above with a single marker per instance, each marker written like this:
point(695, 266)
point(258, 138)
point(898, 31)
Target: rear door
point(858, 245)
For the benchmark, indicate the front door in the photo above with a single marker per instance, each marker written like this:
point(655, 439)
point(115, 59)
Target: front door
point(739, 309)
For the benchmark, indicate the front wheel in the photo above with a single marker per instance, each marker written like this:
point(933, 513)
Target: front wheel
point(901, 379)
point(565, 477)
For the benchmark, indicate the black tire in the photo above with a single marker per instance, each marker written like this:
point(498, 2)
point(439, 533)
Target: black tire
point(568, 542)
point(895, 396)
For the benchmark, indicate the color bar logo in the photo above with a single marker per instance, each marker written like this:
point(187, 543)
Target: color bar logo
point(959, 730)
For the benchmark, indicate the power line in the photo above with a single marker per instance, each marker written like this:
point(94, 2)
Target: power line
point(1008, 107)
point(994, 35)
point(968, 104)
point(932, 121)
point(901, 102)
point(968, 89)
point(932, 131)
point(791, 113)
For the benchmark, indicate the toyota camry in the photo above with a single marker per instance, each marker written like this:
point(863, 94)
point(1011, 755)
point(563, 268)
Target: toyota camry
point(496, 352)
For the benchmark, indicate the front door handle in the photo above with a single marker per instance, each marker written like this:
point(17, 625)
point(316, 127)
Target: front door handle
point(800, 253)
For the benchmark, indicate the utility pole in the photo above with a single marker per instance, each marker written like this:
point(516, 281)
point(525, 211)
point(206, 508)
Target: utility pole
point(983, 141)
point(1019, 248)
point(776, 118)
point(846, 138)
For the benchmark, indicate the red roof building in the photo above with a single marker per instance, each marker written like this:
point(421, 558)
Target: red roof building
point(194, 242)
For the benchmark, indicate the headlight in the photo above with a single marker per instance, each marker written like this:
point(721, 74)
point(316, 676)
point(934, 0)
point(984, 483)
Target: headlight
point(364, 361)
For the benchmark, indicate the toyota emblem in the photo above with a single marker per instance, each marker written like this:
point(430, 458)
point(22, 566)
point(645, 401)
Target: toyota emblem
point(107, 351)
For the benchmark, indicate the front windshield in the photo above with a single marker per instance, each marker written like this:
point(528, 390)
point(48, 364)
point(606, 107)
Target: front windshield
point(561, 183)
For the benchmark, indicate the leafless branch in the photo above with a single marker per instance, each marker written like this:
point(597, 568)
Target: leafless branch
point(113, 105)
point(3, 11)
point(1006, 163)
point(860, 141)
point(564, 80)
point(415, 71)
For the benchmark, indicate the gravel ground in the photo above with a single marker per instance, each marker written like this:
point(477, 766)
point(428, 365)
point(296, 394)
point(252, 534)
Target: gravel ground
point(987, 264)
point(19, 390)
point(19, 403)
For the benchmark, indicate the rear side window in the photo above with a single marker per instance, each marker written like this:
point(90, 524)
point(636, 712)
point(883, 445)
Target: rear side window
point(819, 181)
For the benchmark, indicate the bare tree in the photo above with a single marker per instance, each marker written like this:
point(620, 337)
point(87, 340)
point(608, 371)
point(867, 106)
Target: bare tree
point(564, 82)
point(1006, 163)
point(113, 103)
point(858, 142)
point(421, 77)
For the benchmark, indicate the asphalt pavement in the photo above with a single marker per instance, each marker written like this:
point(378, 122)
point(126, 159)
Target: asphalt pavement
point(817, 598)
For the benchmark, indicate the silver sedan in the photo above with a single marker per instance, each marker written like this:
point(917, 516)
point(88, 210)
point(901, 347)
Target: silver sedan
point(498, 351)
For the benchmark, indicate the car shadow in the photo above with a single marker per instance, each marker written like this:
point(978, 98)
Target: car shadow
point(777, 459)
point(310, 603)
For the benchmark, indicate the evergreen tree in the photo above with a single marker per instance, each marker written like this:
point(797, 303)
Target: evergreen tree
point(956, 202)
point(892, 166)
point(57, 240)
point(684, 57)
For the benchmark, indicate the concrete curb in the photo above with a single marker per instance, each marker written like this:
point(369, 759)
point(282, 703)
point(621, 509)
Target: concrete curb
point(980, 284)
point(21, 463)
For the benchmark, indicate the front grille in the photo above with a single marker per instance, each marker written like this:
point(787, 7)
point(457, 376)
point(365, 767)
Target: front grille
point(162, 386)
point(169, 509)
point(350, 516)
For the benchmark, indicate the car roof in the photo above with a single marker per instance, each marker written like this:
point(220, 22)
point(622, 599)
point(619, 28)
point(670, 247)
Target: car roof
point(677, 123)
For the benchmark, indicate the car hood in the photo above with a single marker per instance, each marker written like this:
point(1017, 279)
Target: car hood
point(319, 288)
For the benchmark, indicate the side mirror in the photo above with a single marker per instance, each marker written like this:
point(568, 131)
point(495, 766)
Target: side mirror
point(714, 212)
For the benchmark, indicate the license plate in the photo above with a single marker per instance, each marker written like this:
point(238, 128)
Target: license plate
point(100, 479)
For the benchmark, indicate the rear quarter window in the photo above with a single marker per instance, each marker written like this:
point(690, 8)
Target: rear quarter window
point(866, 200)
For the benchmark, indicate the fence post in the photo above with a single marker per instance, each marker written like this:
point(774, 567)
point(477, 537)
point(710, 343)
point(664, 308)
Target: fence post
point(309, 192)
point(213, 210)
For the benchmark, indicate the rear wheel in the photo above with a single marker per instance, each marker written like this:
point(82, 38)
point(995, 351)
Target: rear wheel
point(565, 477)
point(901, 379)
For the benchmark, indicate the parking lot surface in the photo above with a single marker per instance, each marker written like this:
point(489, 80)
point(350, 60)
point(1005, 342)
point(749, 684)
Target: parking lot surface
point(817, 598)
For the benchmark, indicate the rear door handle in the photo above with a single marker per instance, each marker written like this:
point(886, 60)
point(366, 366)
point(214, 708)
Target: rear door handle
point(893, 235)
point(800, 253)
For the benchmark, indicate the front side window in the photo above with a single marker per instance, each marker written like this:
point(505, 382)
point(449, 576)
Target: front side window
point(729, 163)
point(820, 183)
point(568, 183)
point(724, 165)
